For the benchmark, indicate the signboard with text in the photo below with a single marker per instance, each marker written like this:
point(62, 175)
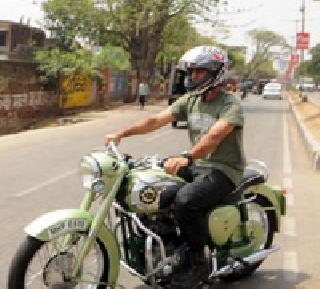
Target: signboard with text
point(303, 40)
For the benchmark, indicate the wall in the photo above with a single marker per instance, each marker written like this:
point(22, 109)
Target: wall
point(23, 101)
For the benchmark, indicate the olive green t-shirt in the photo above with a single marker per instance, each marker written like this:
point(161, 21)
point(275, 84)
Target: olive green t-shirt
point(201, 116)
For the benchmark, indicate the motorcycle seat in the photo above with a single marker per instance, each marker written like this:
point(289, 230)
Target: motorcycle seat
point(250, 178)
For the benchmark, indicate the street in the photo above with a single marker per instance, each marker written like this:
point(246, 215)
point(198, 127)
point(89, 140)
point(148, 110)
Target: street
point(39, 174)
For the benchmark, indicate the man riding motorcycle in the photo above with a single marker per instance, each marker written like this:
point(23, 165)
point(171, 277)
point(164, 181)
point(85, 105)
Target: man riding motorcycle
point(216, 158)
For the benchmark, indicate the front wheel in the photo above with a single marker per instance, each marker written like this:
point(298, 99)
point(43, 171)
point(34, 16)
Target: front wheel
point(43, 265)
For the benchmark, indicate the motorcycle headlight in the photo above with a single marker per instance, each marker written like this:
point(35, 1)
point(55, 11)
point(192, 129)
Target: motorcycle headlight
point(90, 172)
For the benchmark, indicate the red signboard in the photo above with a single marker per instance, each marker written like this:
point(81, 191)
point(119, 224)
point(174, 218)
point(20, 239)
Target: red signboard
point(294, 59)
point(303, 40)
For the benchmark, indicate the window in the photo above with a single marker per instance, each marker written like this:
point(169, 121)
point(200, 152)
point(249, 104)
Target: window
point(3, 38)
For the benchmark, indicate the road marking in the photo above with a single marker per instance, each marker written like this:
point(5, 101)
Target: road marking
point(290, 199)
point(289, 226)
point(44, 184)
point(287, 183)
point(290, 266)
point(287, 167)
point(158, 135)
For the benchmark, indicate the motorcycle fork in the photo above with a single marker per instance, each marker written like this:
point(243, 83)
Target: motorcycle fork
point(97, 223)
point(85, 206)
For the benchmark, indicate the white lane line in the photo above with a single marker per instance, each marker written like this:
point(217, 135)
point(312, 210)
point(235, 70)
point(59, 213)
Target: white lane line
point(158, 135)
point(287, 183)
point(287, 167)
point(44, 184)
point(290, 199)
point(289, 226)
point(290, 266)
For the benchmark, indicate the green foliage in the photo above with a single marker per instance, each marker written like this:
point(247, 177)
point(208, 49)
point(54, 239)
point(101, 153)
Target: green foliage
point(265, 70)
point(55, 63)
point(178, 36)
point(137, 26)
point(313, 66)
point(237, 63)
point(264, 41)
point(112, 57)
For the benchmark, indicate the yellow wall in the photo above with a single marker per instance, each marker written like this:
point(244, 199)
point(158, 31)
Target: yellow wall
point(75, 91)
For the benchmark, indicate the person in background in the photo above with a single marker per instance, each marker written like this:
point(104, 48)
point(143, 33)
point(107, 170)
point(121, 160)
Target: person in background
point(143, 92)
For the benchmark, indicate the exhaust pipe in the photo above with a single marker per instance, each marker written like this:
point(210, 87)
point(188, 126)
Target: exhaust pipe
point(261, 255)
point(239, 264)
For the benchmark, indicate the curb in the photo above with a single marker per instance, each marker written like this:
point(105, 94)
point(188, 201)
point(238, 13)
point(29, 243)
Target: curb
point(312, 145)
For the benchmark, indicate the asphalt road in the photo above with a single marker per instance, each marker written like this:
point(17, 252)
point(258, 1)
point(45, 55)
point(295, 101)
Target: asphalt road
point(39, 174)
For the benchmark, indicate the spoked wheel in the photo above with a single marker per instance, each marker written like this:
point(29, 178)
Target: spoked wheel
point(256, 212)
point(49, 265)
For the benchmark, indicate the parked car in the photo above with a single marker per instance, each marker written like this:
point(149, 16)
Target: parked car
point(306, 84)
point(272, 90)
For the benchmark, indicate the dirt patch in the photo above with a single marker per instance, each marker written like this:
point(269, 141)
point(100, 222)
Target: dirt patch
point(309, 113)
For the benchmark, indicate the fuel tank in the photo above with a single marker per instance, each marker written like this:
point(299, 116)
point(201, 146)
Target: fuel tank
point(145, 188)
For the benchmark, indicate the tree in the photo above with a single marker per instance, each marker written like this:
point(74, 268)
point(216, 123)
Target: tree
point(178, 37)
point(237, 63)
point(56, 63)
point(313, 66)
point(136, 25)
point(264, 42)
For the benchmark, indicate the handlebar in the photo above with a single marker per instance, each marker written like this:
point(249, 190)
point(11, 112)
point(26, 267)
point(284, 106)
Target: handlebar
point(112, 146)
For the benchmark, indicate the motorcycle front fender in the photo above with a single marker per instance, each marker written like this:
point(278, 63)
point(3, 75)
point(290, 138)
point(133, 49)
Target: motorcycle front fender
point(61, 222)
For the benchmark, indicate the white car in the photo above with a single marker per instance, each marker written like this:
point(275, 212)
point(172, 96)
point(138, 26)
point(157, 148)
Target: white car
point(272, 90)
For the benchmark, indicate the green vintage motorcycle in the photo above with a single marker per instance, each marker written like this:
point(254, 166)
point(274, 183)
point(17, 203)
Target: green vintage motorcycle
point(123, 219)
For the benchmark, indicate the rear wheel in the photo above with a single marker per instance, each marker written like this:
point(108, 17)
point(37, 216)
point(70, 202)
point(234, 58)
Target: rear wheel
point(43, 265)
point(267, 219)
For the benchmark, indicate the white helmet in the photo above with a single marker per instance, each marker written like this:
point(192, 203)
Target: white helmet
point(209, 58)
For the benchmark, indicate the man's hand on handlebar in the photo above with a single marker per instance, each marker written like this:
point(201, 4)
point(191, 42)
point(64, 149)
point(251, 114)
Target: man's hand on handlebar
point(116, 138)
point(172, 165)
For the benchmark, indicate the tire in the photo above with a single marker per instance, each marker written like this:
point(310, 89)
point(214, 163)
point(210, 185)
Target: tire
point(23, 259)
point(270, 215)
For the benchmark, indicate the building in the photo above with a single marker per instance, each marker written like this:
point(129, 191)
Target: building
point(18, 40)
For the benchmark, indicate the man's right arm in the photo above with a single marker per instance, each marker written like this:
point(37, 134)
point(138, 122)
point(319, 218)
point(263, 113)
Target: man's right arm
point(142, 127)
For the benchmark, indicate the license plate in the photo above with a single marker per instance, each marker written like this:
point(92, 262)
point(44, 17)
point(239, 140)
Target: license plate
point(68, 225)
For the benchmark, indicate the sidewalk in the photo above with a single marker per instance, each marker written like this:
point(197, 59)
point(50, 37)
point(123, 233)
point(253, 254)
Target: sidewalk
point(307, 115)
point(77, 115)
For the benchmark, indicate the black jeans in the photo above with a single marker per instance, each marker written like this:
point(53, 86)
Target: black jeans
point(194, 200)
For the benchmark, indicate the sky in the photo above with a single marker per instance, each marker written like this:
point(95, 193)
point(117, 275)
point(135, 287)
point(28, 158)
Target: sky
point(276, 15)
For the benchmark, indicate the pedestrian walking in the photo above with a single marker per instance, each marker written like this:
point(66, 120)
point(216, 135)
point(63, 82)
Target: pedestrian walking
point(143, 92)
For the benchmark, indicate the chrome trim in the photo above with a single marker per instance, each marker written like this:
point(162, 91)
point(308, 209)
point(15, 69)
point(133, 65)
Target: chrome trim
point(114, 149)
point(93, 164)
point(148, 245)
point(261, 255)
point(239, 264)
point(132, 271)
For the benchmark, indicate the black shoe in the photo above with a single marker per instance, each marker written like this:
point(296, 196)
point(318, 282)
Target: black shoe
point(194, 276)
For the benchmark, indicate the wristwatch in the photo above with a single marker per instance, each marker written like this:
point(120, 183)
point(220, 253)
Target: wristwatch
point(188, 156)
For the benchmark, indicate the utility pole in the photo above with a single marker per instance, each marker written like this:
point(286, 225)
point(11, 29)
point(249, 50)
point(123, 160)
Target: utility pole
point(303, 21)
point(301, 70)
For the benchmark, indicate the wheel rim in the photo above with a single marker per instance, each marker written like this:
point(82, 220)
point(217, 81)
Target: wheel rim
point(257, 213)
point(52, 264)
